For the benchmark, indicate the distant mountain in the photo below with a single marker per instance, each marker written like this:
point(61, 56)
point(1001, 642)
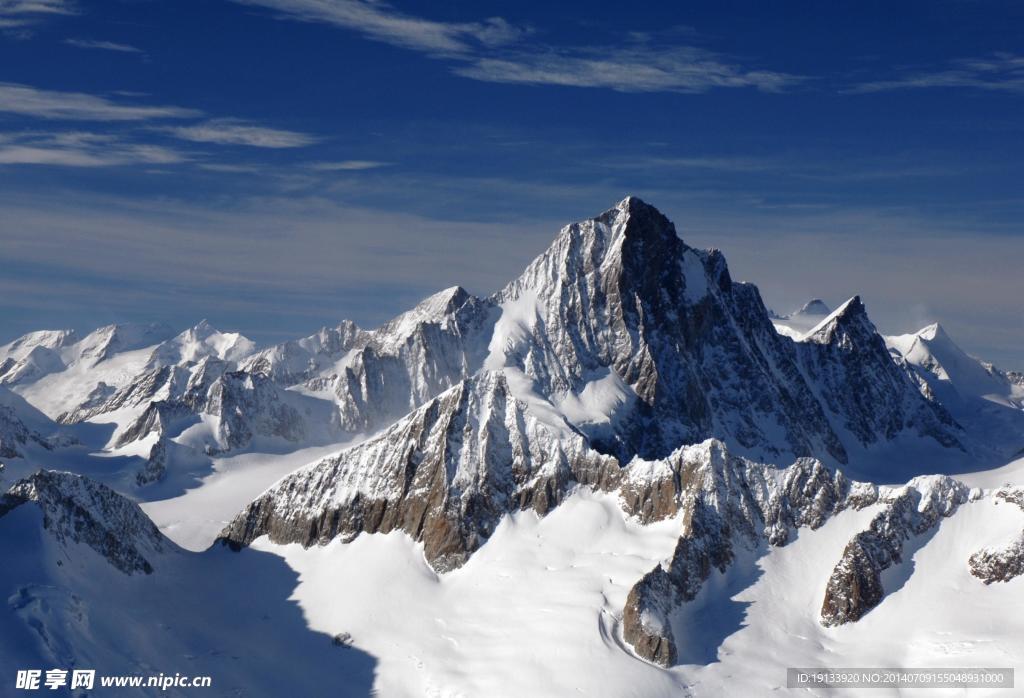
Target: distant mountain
point(988, 401)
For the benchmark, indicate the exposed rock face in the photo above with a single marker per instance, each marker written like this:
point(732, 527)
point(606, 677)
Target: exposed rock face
point(155, 468)
point(728, 502)
point(13, 434)
point(159, 383)
point(393, 370)
point(249, 404)
point(1001, 564)
point(445, 474)
point(20, 425)
point(157, 418)
point(860, 383)
point(695, 352)
point(78, 510)
point(855, 586)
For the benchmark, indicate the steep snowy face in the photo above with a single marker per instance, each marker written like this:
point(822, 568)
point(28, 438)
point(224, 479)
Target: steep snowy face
point(682, 351)
point(952, 373)
point(813, 308)
point(199, 342)
point(868, 393)
point(77, 510)
point(34, 355)
point(293, 362)
point(39, 354)
point(445, 475)
point(14, 434)
point(797, 323)
point(20, 425)
point(393, 370)
point(103, 343)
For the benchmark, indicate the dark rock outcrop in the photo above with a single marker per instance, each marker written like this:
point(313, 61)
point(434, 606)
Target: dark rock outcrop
point(728, 502)
point(1005, 563)
point(77, 510)
point(445, 475)
point(855, 586)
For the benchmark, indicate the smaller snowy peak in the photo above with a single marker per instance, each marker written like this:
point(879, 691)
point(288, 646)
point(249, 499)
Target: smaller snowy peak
point(199, 342)
point(36, 362)
point(847, 321)
point(953, 374)
point(46, 339)
point(77, 510)
point(934, 333)
point(105, 342)
point(815, 306)
point(296, 361)
point(21, 425)
point(433, 309)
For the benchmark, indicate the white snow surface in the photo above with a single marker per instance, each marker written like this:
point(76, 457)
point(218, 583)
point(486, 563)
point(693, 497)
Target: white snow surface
point(537, 610)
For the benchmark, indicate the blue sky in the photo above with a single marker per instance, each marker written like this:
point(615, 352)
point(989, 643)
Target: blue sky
point(277, 165)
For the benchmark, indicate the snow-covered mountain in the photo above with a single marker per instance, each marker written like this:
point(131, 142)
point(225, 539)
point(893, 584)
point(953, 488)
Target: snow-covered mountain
point(91, 583)
point(624, 395)
point(986, 400)
point(619, 342)
point(800, 321)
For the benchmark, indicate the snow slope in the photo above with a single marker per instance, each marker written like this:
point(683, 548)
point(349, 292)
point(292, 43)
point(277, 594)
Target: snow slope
point(537, 611)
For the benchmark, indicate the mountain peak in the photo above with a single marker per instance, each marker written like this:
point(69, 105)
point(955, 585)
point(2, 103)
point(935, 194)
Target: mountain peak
point(202, 328)
point(815, 306)
point(851, 314)
point(933, 332)
point(78, 510)
point(641, 222)
point(443, 302)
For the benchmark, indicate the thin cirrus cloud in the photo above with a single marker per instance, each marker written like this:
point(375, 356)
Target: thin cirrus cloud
point(632, 69)
point(1002, 72)
point(21, 13)
point(82, 149)
point(347, 165)
point(380, 21)
point(493, 50)
point(102, 45)
point(235, 132)
point(79, 106)
point(76, 147)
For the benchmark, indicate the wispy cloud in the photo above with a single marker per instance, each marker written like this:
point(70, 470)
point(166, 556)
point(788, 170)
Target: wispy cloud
point(629, 69)
point(1001, 72)
point(20, 13)
point(81, 149)
point(102, 45)
point(236, 132)
point(495, 50)
point(79, 106)
point(382, 22)
point(347, 165)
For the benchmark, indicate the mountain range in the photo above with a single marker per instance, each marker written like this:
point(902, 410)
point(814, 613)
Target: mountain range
point(624, 387)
